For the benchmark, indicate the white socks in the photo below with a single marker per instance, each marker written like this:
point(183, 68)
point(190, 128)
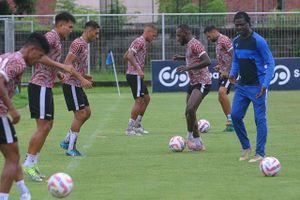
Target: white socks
point(229, 117)
point(22, 187)
point(198, 141)
point(72, 140)
point(67, 138)
point(30, 160)
point(131, 122)
point(189, 135)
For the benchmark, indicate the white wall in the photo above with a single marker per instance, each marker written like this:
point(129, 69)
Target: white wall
point(133, 6)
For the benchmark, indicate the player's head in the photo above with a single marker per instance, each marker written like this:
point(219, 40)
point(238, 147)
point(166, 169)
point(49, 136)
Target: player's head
point(35, 47)
point(91, 30)
point(150, 32)
point(211, 33)
point(64, 23)
point(183, 34)
point(242, 23)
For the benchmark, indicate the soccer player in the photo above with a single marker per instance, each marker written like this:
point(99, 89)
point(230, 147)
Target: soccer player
point(75, 97)
point(40, 92)
point(12, 66)
point(224, 58)
point(135, 57)
point(253, 61)
point(197, 61)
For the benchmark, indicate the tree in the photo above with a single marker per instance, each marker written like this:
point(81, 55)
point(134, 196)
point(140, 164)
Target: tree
point(4, 8)
point(25, 6)
point(22, 7)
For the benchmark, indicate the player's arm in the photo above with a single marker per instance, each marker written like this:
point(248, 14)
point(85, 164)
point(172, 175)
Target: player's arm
point(84, 82)
point(204, 62)
point(178, 57)
point(234, 69)
point(129, 56)
point(45, 60)
point(12, 111)
point(266, 54)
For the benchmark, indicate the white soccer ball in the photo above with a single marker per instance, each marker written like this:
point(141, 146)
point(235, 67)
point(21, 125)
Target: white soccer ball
point(177, 143)
point(203, 125)
point(270, 166)
point(60, 185)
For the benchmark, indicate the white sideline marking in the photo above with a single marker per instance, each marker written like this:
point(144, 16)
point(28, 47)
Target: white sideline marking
point(75, 162)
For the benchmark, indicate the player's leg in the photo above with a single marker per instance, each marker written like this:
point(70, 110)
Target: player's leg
point(10, 150)
point(145, 102)
point(42, 110)
point(134, 82)
point(193, 102)
point(36, 143)
point(259, 106)
point(80, 117)
point(77, 102)
point(23, 190)
point(11, 156)
point(224, 88)
point(240, 105)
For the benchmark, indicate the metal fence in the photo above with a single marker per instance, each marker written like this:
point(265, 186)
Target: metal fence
point(281, 30)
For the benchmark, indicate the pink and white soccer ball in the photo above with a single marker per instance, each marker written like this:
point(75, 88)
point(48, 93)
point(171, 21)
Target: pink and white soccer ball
point(60, 185)
point(203, 125)
point(177, 143)
point(270, 166)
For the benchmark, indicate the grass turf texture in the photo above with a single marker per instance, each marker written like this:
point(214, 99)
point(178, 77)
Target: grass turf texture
point(119, 167)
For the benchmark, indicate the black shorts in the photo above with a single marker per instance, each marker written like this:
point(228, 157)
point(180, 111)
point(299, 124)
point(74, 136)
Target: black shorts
point(137, 85)
point(224, 82)
point(204, 89)
point(75, 97)
point(7, 131)
point(40, 102)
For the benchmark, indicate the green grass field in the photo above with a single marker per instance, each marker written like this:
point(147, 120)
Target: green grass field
point(119, 167)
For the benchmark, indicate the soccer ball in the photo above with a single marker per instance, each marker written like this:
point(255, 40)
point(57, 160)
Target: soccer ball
point(270, 166)
point(60, 185)
point(177, 144)
point(203, 125)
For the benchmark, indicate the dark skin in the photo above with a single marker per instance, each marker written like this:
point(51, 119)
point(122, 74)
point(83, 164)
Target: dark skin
point(244, 29)
point(195, 98)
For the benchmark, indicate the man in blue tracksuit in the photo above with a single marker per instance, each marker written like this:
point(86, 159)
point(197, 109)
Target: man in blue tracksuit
point(254, 62)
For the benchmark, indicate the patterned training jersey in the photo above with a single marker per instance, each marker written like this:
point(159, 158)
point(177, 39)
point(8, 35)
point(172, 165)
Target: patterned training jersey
point(78, 48)
point(12, 66)
point(45, 75)
point(138, 46)
point(223, 48)
point(194, 50)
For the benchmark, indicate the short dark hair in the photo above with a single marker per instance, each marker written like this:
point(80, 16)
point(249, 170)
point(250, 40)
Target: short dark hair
point(92, 24)
point(209, 28)
point(38, 40)
point(151, 26)
point(64, 16)
point(184, 27)
point(242, 14)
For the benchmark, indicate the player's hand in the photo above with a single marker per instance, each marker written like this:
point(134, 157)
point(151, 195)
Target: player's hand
point(224, 74)
point(61, 76)
point(15, 115)
point(181, 68)
point(232, 80)
point(68, 68)
point(140, 73)
point(86, 83)
point(217, 68)
point(261, 92)
point(177, 57)
point(88, 77)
